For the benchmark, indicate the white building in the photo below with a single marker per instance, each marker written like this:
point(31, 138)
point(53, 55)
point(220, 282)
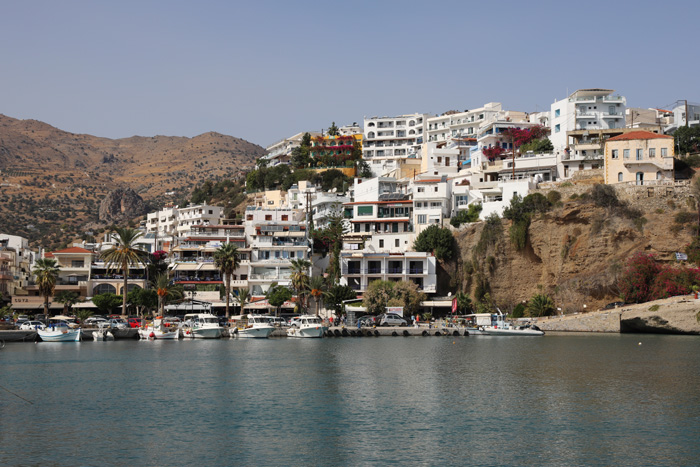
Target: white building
point(280, 152)
point(432, 198)
point(173, 222)
point(388, 140)
point(585, 109)
point(455, 125)
point(276, 237)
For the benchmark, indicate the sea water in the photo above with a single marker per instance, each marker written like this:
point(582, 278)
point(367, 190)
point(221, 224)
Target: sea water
point(553, 400)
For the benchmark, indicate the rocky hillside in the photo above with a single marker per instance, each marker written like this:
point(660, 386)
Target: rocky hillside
point(52, 181)
point(575, 252)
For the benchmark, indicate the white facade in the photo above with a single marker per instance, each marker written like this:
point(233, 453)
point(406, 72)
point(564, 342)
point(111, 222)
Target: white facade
point(465, 124)
point(431, 202)
point(281, 151)
point(387, 140)
point(359, 269)
point(585, 109)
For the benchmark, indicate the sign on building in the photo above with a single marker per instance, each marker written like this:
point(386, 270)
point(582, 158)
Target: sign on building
point(395, 309)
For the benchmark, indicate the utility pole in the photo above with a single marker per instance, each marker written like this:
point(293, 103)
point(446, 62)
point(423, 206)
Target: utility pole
point(686, 113)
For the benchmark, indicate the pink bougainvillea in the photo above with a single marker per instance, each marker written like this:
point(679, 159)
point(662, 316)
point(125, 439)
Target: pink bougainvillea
point(645, 279)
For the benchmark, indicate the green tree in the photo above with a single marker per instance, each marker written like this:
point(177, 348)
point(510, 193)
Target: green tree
point(407, 294)
point(300, 280)
point(243, 298)
point(83, 313)
point(46, 272)
point(540, 305)
point(333, 130)
point(335, 295)
point(467, 216)
point(68, 299)
point(377, 296)
point(143, 300)
point(436, 240)
point(106, 302)
point(165, 290)
point(277, 295)
point(123, 255)
point(363, 169)
point(227, 259)
point(687, 140)
point(464, 303)
point(316, 286)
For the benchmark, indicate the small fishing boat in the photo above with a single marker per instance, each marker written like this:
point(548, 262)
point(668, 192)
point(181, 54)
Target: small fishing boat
point(157, 330)
point(59, 333)
point(500, 327)
point(307, 326)
point(257, 327)
point(102, 335)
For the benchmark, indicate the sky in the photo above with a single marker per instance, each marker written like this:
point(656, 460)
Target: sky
point(265, 70)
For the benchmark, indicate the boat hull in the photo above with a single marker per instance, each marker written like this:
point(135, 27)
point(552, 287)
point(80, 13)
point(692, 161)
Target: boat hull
point(150, 333)
point(72, 335)
point(258, 332)
point(512, 332)
point(202, 333)
point(310, 332)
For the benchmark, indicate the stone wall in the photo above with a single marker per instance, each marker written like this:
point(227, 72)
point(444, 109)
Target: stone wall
point(602, 321)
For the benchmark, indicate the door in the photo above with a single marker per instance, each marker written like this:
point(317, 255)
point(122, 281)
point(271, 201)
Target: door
point(640, 178)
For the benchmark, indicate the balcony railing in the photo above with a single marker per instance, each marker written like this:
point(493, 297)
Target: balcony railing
point(415, 271)
point(395, 271)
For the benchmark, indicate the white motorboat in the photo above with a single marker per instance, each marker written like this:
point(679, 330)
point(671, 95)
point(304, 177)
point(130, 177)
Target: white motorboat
point(500, 327)
point(258, 327)
point(201, 326)
point(102, 335)
point(59, 333)
point(307, 326)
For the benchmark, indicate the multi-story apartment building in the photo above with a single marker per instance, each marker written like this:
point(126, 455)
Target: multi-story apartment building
point(647, 118)
point(455, 125)
point(388, 140)
point(585, 109)
point(16, 262)
point(684, 114)
point(432, 199)
point(276, 237)
point(380, 241)
point(281, 151)
point(173, 222)
point(639, 157)
point(334, 151)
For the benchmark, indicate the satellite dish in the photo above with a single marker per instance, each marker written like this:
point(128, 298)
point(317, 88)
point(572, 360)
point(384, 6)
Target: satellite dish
point(334, 190)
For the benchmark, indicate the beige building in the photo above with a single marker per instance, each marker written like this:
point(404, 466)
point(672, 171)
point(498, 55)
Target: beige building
point(639, 156)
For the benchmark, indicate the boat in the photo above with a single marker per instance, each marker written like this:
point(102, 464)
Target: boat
point(158, 331)
point(500, 327)
point(258, 326)
point(307, 326)
point(102, 335)
point(59, 333)
point(201, 326)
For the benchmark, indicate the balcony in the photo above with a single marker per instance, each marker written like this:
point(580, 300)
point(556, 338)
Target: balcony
point(395, 270)
point(354, 271)
point(585, 115)
point(416, 271)
point(613, 99)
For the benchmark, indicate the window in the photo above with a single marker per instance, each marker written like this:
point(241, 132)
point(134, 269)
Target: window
point(557, 113)
point(436, 189)
point(664, 152)
point(396, 243)
point(421, 189)
point(557, 128)
point(285, 217)
point(422, 218)
point(626, 153)
point(439, 160)
point(619, 177)
point(615, 154)
point(652, 152)
point(640, 154)
point(381, 243)
point(365, 210)
point(268, 217)
point(77, 263)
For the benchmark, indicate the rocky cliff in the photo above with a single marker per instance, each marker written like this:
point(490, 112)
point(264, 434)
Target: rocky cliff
point(574, 252)
point(121, 205)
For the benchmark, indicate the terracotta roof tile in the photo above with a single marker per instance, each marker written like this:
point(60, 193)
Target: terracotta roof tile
point(632, 135)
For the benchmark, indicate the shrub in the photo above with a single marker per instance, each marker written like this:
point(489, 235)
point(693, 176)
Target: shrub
point(637, 278)
point(685, 217)
point(490, 234)
point(604, 196)
point(470, 215)
point(554, 197)
point(540, 305)
point(654, 308)
point(518, 311)
point(437, 240)
point(673, 281)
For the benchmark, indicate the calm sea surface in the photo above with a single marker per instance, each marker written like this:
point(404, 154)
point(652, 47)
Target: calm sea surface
point(557, 400)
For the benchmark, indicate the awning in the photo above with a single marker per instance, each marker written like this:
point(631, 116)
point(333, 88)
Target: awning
point(83, 305)
point(36, 306)
point(297, 234)
point(186, 267)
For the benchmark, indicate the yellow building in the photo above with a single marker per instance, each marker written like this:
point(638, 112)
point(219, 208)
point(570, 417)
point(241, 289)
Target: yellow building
point(334, 151)
point(639, 156)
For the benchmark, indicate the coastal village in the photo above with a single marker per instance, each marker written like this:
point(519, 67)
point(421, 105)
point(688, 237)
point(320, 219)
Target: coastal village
point(397, 183)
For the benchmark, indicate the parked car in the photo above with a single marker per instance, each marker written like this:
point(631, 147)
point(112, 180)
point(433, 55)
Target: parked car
point(613, 305)
point(135, 322)
point(31, 325)
point(94, 321)
point(391, 319)
point(277, 321)
point(21, 319)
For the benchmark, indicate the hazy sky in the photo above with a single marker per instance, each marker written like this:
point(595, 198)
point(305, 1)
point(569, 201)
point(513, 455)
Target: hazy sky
point(264, 70)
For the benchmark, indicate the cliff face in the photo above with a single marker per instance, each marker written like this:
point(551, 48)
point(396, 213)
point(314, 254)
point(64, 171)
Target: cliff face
point(120, 205)
point(575, 252)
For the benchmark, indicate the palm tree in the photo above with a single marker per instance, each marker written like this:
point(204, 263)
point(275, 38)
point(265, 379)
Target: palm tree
point(46, 272)
point(317, 284)
point(68, 299)
point(540, 305)
point(243, 297)
point(300, 280)
point(165, 290)
point(123, 255)
point(227, 259)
